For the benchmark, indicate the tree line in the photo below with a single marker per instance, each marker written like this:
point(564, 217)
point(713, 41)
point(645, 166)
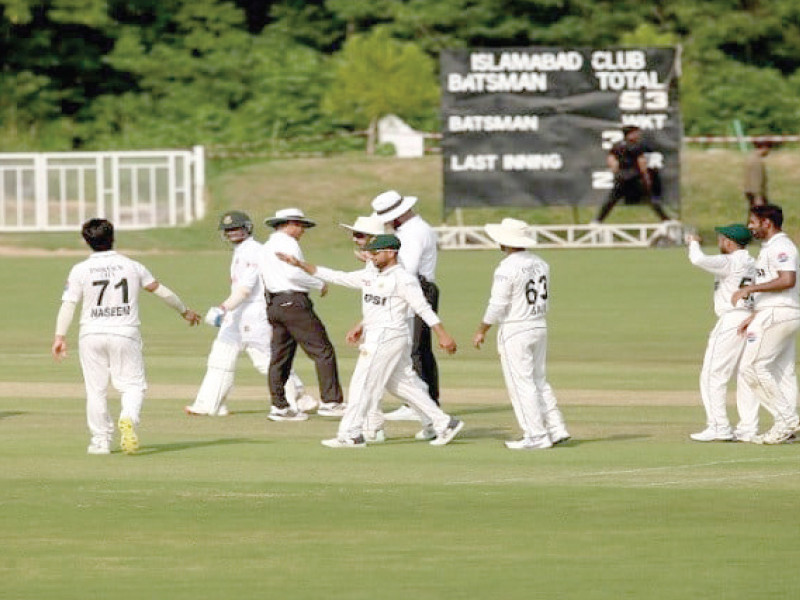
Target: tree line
point(86, 74)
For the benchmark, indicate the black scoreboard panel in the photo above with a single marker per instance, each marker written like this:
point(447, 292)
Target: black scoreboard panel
point(533, 126)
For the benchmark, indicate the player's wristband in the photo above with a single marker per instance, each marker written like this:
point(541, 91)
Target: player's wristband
point(170, 297)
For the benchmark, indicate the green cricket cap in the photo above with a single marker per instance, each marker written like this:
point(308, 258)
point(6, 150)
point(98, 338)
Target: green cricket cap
point(737, 232)
point(385, 241)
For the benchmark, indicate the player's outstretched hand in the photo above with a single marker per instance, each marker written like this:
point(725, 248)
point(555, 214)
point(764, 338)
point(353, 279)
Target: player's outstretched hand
point(59, 348)
point(192, 317)
point(287, 258)
point(478, 339)
point(447, 343)
point(354, 335)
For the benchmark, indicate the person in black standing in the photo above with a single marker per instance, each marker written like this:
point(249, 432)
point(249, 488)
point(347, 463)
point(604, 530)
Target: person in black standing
point(632, 179)
point(293, 320)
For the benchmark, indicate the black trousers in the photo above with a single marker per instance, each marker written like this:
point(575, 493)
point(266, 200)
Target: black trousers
point(422, 356)
point(632, 190)
point(294, 322)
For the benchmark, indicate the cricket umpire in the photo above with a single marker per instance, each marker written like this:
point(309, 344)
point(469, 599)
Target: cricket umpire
point(417, 255)
point(293, 320)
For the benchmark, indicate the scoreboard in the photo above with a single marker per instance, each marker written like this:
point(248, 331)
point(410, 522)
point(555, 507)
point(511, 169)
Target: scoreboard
point(532, 126)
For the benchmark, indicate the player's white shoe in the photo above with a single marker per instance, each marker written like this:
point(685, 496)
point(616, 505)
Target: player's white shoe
point(745, 436)
point(306, 403)
point(541, 443)
point(189, 410)
point(129, 441)
point(356, 442)
point(779, 434)
point(99, 448)
point(559, 436)
point(375, 437)
point(331, 409)
point(404, 413)
point(426, 434)
point(222, 411)
point(712, 434)
point(286, 414)
point(451, 431)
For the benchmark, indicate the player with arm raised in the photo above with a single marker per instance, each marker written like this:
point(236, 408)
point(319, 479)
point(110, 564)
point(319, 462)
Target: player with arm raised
point(243, 325)
point(732, 268)
point(384, 361)
point(109, 343)
point(518, 304)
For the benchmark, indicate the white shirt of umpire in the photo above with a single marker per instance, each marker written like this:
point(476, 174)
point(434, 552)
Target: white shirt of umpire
point(418, 250)
point(110, 344)
point(518, 304)
point(384, 361)
point(279, 276)
point(770, 346)
point(725, 345)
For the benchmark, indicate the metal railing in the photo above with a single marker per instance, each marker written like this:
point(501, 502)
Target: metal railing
point(57, 191)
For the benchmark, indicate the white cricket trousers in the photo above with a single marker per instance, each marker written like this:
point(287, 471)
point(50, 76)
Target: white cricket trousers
point(723, 352)
point(523, 353)
point(768, 362)
point(247, 329)
point(104, 356)
point(384, 363)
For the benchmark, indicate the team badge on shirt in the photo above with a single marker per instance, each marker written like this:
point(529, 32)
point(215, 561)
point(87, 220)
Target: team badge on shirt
point(783, 257)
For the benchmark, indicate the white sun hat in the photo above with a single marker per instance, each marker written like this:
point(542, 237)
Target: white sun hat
point(511, 233)
point(370, 225)
point(289, 214)
point(390, 205)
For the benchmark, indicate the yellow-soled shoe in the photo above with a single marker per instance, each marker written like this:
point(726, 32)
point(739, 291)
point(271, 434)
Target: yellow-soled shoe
point(129, 442)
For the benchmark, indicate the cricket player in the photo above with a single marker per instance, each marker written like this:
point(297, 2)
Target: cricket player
point(768, 360)
point(732, 268)
point(109, 343)
point(243, 325)
point(384, 362)
point(418, 256)
point(518, 304)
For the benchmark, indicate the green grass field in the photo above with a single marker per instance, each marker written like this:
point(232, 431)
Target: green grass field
point(242, 507)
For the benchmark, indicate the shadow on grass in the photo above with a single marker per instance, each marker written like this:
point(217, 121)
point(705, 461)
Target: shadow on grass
point(620, 437)
point(11, 413)
point(480, 411)
point(180, 446)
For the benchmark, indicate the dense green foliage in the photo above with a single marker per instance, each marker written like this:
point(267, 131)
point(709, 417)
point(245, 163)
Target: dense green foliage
point(119, 73)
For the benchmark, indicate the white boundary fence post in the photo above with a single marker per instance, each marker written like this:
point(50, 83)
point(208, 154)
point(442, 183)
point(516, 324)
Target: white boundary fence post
point(57, 191)
point(199, 182)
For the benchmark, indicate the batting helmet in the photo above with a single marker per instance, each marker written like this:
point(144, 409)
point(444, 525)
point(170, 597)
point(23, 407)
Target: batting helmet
point(235, 219)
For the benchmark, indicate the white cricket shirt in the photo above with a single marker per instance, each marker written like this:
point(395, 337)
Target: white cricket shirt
point(279, 276)
point(418, 249)
point(245, 271)
point(386, 296)
point(730, 271)
point(520, 291)
point(108, 285)
point(777, 254)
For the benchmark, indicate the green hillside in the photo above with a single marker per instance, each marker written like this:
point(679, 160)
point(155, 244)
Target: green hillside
point(337, 189)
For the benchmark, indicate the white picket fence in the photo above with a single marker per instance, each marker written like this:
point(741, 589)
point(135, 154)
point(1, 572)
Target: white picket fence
point(58, 191)
point(607, 235)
